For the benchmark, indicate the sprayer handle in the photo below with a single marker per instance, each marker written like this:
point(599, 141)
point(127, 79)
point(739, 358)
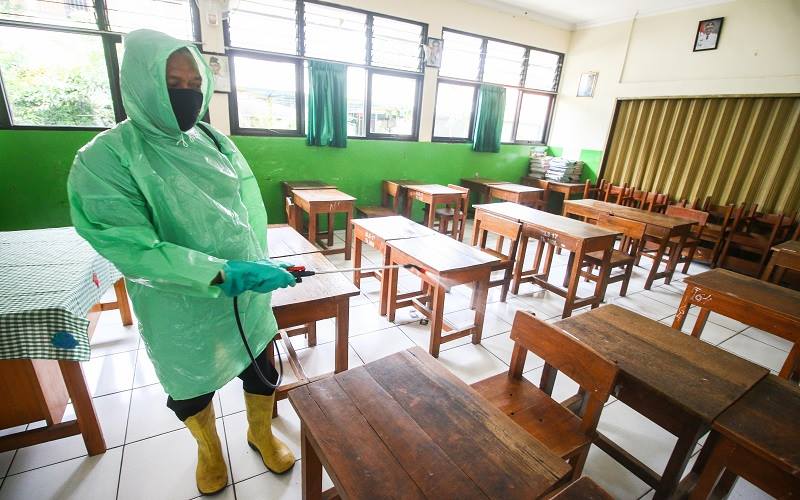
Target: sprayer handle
point(299, 272)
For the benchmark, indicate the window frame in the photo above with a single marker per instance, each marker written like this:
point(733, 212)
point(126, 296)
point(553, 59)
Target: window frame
point(299, 58)
point(109, 40)
point(521, 88)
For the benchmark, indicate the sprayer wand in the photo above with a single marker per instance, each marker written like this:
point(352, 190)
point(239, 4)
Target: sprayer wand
point(300, 272)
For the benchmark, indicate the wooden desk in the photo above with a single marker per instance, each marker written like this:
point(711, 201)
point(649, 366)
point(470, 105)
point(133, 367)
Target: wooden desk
point(316, 298)
point(679, 382)
point(784, 256)
point(443, 263)
point(431, 195)
point(480, 186)
point(422, 433)
point(283, 241)
point(756, 439)
point(288, 186)
point(376, 232)
point(772, 308)
point(330, 202)
point(517, 193)
point(400, 188)
point(660, 229)
point(554, 231)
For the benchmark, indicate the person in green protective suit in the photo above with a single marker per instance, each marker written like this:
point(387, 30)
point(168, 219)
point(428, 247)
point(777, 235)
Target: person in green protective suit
point(174, 205)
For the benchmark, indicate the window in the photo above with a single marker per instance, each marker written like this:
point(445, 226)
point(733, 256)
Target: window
point(253, 18)
point(55, 79)
point(59, 59)
point(530, 76)
point(266, 94)
point(453, 110)
point(383, 57)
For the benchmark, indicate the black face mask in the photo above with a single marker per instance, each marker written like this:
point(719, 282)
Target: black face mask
point(186, 104)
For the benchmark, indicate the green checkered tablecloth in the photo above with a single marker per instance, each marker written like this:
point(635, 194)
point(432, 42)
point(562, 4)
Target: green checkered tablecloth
point(49, 279)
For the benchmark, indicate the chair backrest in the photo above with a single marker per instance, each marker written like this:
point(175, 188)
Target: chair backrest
point(632, 231)
point(688, 213)
point(500, 226)
point(561, 352)
point(464, 196)
point(291, 213)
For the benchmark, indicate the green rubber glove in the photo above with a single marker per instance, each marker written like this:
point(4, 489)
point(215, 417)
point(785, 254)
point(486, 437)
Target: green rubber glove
point(263, 277)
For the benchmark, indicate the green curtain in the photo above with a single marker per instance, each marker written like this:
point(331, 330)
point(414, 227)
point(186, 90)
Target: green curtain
point(489, 122)
point(327, 104)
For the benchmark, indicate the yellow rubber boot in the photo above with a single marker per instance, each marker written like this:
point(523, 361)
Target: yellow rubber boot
point(276, 455)
point(211, 473)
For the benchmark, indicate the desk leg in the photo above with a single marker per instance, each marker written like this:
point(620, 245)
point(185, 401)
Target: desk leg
point(678, 459)
point(312, 227)
point(437, 317)
point(430, 215)
point(651, 276)
point(357, 248)
point(481, 295)
point(331, 216)
point(790, 366)
point(674, 258)
point(122, 302)
point(602, 280)
point(342, 329)
point(683, 311)
point(384, 283)
point(82, 403)
point(519, 264)
point(348, 234)
point(311, 468)
point(702, 317)
point(574, 278)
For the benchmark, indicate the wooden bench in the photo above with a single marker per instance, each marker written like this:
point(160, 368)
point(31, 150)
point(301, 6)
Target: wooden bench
point(632, 234)
point(420, 432)
point(441, 263)
point(757, 439)
point(563, 432)
point(502, 228)
point(480, 186)
point(389, 190)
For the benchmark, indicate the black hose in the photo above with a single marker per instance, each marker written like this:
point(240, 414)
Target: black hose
point(250, 353)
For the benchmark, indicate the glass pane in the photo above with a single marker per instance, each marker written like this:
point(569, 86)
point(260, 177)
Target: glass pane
point(461, 57)
point(393, 99)
point(503, 63)
point(542, 71)
point(532, 117)
point(453, 110)
point(509, 116)
point(269, 25)
point(173, 17)
point(55, 79)
point(78, 13)
point(356, 101)
point(396, 44)
point(335, 34)
point(266, 94)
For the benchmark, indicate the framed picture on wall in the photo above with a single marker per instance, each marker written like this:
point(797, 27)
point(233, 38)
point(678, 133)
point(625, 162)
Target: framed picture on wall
point(433, 52)
point(707, 36)
point(586, 84)
point(219, 68)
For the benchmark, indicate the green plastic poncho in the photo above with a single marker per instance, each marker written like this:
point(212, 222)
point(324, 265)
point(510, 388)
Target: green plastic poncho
point(168, 209)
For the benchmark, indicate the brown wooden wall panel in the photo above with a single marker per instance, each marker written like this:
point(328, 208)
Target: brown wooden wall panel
point(734, 149)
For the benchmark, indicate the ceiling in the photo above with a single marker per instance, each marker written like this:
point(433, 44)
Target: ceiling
point(581, 13)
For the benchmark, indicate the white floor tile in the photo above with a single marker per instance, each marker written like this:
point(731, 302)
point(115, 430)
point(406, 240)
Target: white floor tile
point(712, 333)
point(245, 462)
point(162, 467)
point(502, 346)
point(665, 295)
point(111, 336)
point(646, 306)
point(768, 338)
point(285, 486)
point(730, 324)
point(149, 415)
point(320, 360)
point(80, 478)
point(145, 373)
point(326, 332)
point(743, 490)
point(5, 461)
point(376, 345)
point(112, 373)
point(544, 304)
point(613, 477)
point(492, 324)
point(755, 351)
point(471, 363)
point(563, 389)
point(112, 411)
point(365, 319)
point(507, 310)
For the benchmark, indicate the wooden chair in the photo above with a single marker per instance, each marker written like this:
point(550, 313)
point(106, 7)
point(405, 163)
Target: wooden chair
point(456, 214)
point(754, 236)
point(635, 199)
point(614, 194)
point(632, 234)
point(565, 433)
point(720, 220)
point(692, 241)
point(655, 202)
point(590, 192)
point(541, 184)
point(292, 215)
point(502, 228)
point(582, 489)
point(388, 190)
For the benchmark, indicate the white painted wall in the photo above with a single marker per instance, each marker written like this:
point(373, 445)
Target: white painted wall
point(759, 53)
point(456, 14)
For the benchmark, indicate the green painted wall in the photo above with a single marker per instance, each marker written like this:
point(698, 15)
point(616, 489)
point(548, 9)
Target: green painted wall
point(34, 167)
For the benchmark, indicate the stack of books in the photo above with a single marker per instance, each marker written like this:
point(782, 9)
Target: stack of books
point(538, 164)
point(561, 170)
